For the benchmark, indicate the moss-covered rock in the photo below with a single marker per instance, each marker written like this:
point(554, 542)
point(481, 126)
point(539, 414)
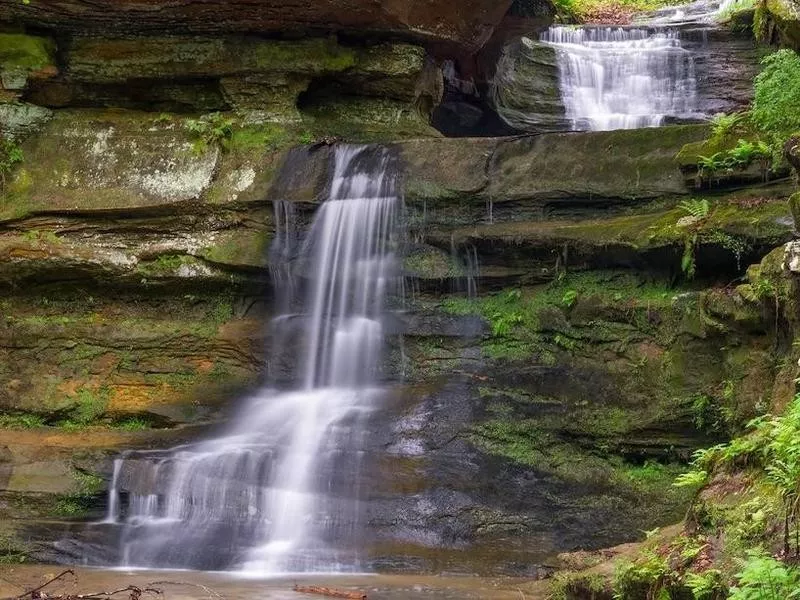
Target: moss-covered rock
point(22, 56)
point(163, 361)
point(778, 21)
point(728, 238)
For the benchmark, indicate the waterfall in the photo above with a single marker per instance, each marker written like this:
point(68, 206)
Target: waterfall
point(279, 491)
point(606, 78)
point(615, 78)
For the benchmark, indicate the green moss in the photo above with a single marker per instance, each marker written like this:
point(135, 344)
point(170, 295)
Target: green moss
point(266, 136)
point(25, 52)
point(529, 442)
point(78, 504)
point(164, 265)
point(566, 585)
point(21, 421)
point(311, 55)
point(131, 424)
point(239, 248)
point(90, 404)
point(786, 17)
point(365, 119)
point(533, 323)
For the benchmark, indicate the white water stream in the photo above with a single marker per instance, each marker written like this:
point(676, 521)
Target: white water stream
point(609, 77)
point(615, 78)
point(279, 491)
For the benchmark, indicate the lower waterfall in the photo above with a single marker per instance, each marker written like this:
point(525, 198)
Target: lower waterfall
point(279, 491)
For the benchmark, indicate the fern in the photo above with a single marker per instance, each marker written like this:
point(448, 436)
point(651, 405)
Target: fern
point(722, 124)
point(695, 478)
point(697, 208)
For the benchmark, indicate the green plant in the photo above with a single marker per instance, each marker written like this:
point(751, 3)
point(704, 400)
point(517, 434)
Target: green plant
point(733, 8)
point(210, 129)
point(569, 298)
point(11, 551)
point(765, 578)
point(688, 261)
point(708, 585)
point(745, 152)
point(89, 405)
point(783, 465)
point(776, 103)
point(132, 424)
point(708, 165)
point(696, 207)
point(722, 124)
point(696, 478)
point(649, 577)
point(10, 155)
point(23, 421)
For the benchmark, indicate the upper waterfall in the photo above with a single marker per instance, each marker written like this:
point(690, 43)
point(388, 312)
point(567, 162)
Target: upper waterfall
point(597, 77)
point(279, 491)
point(615, 78)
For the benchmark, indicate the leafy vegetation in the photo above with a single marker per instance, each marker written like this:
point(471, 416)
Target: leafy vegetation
point(10, 156)
point(733, 8)
point(210, 129)
point(132, 424)
point(770, 450)
point(764, 578)
point(739, 157)
point(21, 421)
point(520, 320)
point(696, 207)
point(776, 105)
point(83, 499)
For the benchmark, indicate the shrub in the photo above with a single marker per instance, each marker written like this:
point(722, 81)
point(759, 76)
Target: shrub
point(776, 105)
point(765, 578)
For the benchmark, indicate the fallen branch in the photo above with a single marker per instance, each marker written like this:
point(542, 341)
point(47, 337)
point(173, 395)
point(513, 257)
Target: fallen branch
point(331, 593)
point(207, 590)
point(136, 593)
point(33, 593)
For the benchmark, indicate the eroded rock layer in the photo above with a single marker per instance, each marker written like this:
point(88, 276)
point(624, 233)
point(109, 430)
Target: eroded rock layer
point(549, 412)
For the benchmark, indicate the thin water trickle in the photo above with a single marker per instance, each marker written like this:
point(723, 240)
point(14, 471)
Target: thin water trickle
point(280, 491)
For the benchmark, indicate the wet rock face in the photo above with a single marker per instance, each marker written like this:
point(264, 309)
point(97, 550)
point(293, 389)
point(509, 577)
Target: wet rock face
point(136, 293)
point(466, 24)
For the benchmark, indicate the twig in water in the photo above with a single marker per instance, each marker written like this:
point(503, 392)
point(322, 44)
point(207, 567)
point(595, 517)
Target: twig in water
point(46, 583)
point(136, 593)
point(207, 590)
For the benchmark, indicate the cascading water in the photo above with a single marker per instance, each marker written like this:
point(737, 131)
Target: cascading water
point(279, 491)
point(615, 78)
point(608, 78)
point(602, 78)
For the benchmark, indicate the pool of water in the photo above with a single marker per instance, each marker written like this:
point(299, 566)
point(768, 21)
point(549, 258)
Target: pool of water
point(197, 585)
